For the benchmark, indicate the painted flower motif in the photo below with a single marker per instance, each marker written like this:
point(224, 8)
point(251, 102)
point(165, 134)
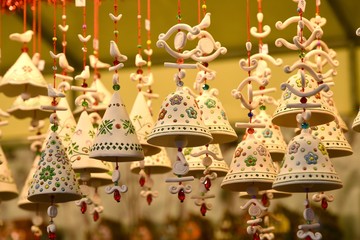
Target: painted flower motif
point(223, 114)
point(267, 133)
point(187, 151)
point(287, 95)
point(261, 150)
point(298, 82)
point(210, 103)
point(47, 173)
point(191, 112)
point(322, 149)
point(311, 158)
point(176, 99)
point(293, 148)
point(61, 156)
point(250, 161)
point(238, 152)
point(130, 129)
point(162, 114)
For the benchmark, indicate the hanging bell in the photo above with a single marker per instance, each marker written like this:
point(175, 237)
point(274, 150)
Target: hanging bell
point(102, 179)
point(155, 164)
point(341, 121)
point(196, 164)
point(356, 123)
point(179, 123)
point(54, 179)
point(283, 113)
point(215, 117)
point(116, 139)
point(30, 108)
point(270, 136)
point(8, 189)
point(251, 166)
point(143, 122)
point(306, 166)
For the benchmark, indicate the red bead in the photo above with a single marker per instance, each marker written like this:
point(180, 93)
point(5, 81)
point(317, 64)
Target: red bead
point(303, 100)
point(149, 199)
point(117, 195)
point(181, 195)
point(250, 131)
point(324, 204)
point(256, 236)
point(54, 103)
point(116, 62)
point(308, 238)
point(52, 236)
point(83, 207)
point(139, 71)
point(203, 209)
point(261, 87)
point(142, 181)
point(84, 85)
point(96, 216)
point(207, 184)
point(264, 200)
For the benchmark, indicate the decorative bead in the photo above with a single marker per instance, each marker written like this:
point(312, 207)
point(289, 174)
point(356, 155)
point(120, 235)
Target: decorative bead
point(83, 207)
point(203, 6)
point(54, 128)
point(256, 236)
point(139, 46)
point(84, 85)
point(262, 107)
point(324, 204)
point(116, 87)
point(54, 39)
point(84, 26)
point(250, 131)
point(52, 211)
point(207, 184)
point(261, 87)
point(142, 181)
point(250, 114)
point(181, 195)
point(96, 216)
point(52, 236)
point(205, 87)
point(203, 209)
point(180, 83)
point(205, 64)
point(304, 125)
point(116, 32)
point(178, 17)
point(264, 200)
point(303, 100)
point(148, 42)
point(85, 104)
point(139, 71)
point(117, 195)
point(54, 68)
point(149, 199)
point(24, 49)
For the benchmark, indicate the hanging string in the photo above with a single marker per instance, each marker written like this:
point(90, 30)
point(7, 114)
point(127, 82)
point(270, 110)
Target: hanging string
point(84, 43)
point(96, 35)
point(250, 114)
point(204, 6)
point(24, 49)
point(148, 42)
point(64, 32)
point(116, 32)
point(54, 39)
point(39, 30)
point(34, 24)
point(260, 26)
point(139, 26)
point(199, 11)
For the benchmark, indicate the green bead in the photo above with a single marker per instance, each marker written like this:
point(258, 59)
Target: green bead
point(305, 125)
point(178, 17)
point(54, 128)
point(205, 87)
point(96, 125)
point(262, 107)
point(139, 46)
point(85, 104)
point(116, 87)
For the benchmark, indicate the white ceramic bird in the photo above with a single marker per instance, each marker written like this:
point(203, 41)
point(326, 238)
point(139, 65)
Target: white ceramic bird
point(95, 62)
point(22, 37)
point(85, 74)
point(63, 62)
point(52, 92)
point(115, 52)
point(139, 61)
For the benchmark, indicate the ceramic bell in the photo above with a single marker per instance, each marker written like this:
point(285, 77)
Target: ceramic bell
point(66, 123)
point(271, 194)
point(23, 202)
point(102, 179)
point(270, 136)
point(179, 123)
point(333, 138)
point(283, 113)
point(143, 122)
point(251, 166)
point(8, 189)
point(155, 164)
point(23, 77)
point(101, 99)
point(116, 139)
point(306, 166)
point(79, 148)
point(356, 123)
point(215, 118)
point(54, 180)
point(341, 121)
point(196, 166)
point(30, 108)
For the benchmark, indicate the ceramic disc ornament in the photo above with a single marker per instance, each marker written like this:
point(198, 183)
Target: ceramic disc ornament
point(155, 164)
point(116, 139)
point(215, 118)
point(306, 166)
point(8, 189)
point(179, 123)
point(196, 166)
point(143, 122)
point(251, 166)
point(54, 180)
point(79, 148)
point(30, 108)
point(283, 114)
point(23, 77)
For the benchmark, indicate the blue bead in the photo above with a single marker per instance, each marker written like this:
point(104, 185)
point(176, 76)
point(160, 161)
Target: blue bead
point(304, 125)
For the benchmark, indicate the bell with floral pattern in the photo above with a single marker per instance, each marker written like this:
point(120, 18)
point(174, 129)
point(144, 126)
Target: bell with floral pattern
point(155, 164)
point(8, 189)
point(319, 115)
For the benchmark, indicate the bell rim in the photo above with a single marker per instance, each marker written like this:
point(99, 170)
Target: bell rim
point(56, 196)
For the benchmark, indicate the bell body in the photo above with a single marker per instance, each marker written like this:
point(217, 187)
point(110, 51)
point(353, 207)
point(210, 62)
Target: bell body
point(29, 108)
point(306, 166)
point(283, 115)
point(179, 123)
point(356, 124)
point(215, 118)
point(8, 189)
point(155, 164)
point(67, 123)
point(251, 167)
